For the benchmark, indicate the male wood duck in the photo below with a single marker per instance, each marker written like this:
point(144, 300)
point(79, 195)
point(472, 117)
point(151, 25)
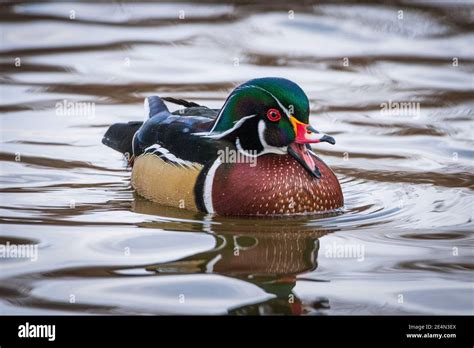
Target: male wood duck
point(252, 157)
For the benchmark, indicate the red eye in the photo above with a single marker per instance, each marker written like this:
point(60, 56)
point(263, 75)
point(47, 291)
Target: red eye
point(273, 115)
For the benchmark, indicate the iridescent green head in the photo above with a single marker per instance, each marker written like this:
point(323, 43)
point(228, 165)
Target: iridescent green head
point(269, 115)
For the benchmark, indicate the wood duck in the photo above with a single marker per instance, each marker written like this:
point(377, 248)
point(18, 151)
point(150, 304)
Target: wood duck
point(252, 157)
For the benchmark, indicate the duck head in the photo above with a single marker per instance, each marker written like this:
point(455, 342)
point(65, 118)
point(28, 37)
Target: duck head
point(269, 115)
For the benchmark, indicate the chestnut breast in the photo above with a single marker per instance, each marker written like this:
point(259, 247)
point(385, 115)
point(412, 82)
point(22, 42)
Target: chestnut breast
point(274, 185)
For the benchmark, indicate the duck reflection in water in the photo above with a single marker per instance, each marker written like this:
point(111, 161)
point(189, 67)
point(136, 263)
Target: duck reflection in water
point(269, 255)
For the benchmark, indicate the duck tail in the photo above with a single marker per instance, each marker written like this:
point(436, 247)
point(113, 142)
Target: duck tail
point(119, 137)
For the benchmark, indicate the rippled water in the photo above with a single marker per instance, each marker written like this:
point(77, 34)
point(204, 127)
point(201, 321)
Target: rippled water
point(407, 177)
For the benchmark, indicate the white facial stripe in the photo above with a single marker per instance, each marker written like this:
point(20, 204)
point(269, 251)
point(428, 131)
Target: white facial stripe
point(230, 130)
point(208, 182)
point(242, 150)
point(287, 112)
point(266, 147)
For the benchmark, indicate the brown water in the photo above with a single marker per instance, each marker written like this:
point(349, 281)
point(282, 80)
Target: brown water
point(407, 176)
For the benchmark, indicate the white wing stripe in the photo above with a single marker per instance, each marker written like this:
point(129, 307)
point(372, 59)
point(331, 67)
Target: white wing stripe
point(168, 155)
